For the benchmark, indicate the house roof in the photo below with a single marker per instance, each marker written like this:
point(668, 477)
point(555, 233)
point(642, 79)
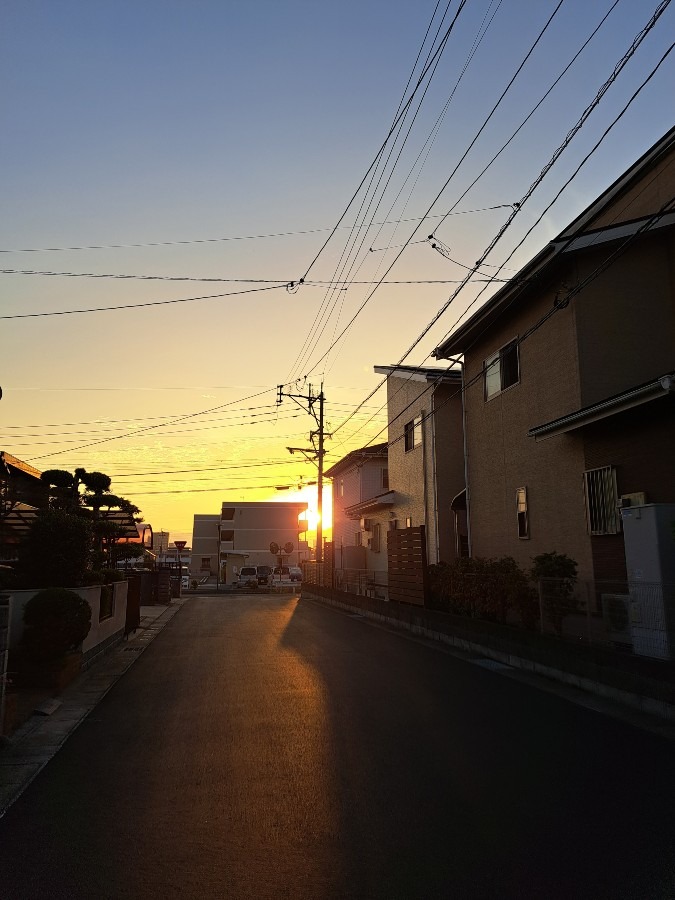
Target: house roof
point(421, 373)
point(19, 464)
point(652, 390)
point(19, 519)
point(577, 235)
point(357, 457)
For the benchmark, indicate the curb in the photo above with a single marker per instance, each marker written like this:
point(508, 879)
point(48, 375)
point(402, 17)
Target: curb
point(636, 703)
point(24, 754)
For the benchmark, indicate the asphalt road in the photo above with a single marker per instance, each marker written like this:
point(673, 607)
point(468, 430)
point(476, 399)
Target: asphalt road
point(265, 747)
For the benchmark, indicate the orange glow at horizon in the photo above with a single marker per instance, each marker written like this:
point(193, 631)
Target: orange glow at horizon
point(308, 495)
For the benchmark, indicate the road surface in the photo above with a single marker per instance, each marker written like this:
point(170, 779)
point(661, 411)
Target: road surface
point(265, 747)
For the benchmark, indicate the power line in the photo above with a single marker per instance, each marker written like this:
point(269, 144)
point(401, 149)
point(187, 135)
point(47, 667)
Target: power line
point(276, 282)
point(438, 195)
point(397, 119)
point(561, 304)
point(73, 312)
point(153, 427)
point(249, 237)
point(547, 168)
point(327, 307)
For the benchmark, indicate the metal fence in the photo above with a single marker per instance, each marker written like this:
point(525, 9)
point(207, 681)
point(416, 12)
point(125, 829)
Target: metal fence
point(634, 616)
point(5, 618)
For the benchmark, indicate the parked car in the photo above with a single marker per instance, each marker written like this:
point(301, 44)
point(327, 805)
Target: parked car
point(264, 574)
point(281, 574)
point(295, 573)
point(248, 577)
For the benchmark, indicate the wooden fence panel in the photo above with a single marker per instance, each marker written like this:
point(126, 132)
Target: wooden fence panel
point(407, 562)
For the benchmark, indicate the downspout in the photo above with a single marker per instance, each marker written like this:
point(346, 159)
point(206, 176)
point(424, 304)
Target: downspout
point(435, 473)
point(466, 463)
point(425, 476)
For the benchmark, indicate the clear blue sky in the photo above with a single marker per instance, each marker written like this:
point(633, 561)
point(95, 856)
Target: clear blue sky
point(129, 122)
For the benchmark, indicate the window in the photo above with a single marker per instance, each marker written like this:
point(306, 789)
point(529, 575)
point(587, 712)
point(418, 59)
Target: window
point(521, 512)
point(342, 487)
point(375, 540)
point(502, 370)
point(206, 563)
point(602, 498)
point(358, 539)
point(413, 433)
point(385, 479)
point(107, 606)
point(227, 535)
point(228, 513)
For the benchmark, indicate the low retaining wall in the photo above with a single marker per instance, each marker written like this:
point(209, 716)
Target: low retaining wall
point(644, 684)
point(103, 633)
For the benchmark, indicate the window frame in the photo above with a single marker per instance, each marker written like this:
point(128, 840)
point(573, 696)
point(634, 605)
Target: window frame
point(495, 363)
point(376, 538)
point(522, 514)
point(412, 434)
point(384, 478)
point(601, 499)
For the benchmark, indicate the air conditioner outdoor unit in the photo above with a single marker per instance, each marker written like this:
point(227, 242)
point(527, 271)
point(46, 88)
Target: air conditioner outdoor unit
point(637, 499)
point(616, 614)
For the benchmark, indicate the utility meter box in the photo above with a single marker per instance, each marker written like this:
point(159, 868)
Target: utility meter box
point(650, 562)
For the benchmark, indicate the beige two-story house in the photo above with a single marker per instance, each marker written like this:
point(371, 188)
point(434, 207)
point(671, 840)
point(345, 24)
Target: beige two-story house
point(569, 375)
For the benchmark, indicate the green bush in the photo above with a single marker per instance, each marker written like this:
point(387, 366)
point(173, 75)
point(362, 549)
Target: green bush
point(482, 588)
point(56, 621)
point(556, 574)
point(56, 550)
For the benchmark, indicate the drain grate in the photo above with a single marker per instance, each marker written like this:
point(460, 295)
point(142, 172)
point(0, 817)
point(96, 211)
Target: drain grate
point(132, 649)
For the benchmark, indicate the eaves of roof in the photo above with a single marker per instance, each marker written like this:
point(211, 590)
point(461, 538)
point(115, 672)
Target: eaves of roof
point(421, 373)
point(357, 457)
point(652, 390)
point(381, 501)
point(575, 236)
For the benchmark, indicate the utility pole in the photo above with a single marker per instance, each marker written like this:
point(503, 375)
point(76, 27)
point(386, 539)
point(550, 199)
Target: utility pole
point(316, 452)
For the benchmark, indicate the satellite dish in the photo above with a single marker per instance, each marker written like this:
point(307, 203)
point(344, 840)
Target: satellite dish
point(288, 547)
point(274, 548)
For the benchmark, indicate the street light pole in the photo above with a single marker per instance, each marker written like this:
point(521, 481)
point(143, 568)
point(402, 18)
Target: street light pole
point(315, 453)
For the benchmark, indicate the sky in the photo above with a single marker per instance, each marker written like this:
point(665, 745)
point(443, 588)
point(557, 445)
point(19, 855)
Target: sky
point(189, 142)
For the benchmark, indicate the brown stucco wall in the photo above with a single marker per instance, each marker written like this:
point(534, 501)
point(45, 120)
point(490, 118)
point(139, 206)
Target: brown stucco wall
point(625, 318)
point(449, 465)
point(502, 458)
point(411, 474)
point(642, 199)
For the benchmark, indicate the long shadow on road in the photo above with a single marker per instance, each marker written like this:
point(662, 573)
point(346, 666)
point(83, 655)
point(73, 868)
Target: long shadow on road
point(455, 781)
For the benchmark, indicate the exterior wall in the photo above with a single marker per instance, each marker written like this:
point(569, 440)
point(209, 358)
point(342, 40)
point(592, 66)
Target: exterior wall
point(639, 444)
point(205, 533)
point(446, 449)
point(501, 456)
point(409, 472)
point(256, 525)
point(359, 482)
point(643, 199)
point(101, 633)
point(427, 477)
point(637, 290)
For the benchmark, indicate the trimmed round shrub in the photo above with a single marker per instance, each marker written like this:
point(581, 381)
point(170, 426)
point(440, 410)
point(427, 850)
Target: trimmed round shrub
point(56, 620)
